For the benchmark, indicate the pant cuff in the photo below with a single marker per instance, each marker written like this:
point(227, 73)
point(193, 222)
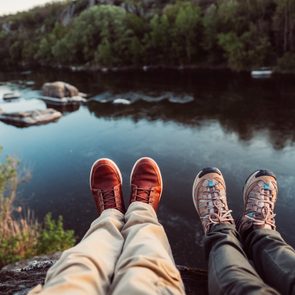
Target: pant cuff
point(140, 205)
point(109, 213)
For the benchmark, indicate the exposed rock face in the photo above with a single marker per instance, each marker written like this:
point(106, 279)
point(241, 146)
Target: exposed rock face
point(68, 13)
point(6, 27)
point(20, 277)
point(59, 89)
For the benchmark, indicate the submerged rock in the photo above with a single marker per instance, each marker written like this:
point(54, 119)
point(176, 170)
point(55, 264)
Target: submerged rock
point(181, 99)
point(59, 89)
point(20, 277)
point(132, 97)
point(121, 101)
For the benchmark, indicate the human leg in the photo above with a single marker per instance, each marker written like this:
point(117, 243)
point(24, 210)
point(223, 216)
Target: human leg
point(88, 267)
point(229, 271)
point(273, 258)
point(146, 265)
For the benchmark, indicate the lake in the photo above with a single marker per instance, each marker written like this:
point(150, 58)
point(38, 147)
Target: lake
point(184, 120)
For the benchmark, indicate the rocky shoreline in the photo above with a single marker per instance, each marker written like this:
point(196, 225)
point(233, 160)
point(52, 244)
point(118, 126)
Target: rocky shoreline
point(20, 277)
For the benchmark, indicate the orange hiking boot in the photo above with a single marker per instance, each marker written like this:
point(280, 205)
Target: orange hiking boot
point(209, 197)
point(146, 182)
point(106, 185)
point(260, 195)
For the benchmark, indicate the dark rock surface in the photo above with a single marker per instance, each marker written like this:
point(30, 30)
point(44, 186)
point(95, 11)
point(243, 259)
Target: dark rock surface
point(20, 277)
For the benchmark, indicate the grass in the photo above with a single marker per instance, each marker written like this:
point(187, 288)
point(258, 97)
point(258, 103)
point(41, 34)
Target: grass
point(21, 234)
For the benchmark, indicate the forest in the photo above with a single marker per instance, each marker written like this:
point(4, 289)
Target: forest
point(235, 34)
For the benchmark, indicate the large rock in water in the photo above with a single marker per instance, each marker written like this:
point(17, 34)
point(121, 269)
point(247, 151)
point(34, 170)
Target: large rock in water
point(20, 277)
point(59, 89)
point(29, 118)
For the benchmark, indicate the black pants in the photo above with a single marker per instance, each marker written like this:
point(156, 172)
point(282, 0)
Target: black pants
point(272, 266)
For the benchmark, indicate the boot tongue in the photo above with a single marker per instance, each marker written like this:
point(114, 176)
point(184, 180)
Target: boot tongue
point(211, 184)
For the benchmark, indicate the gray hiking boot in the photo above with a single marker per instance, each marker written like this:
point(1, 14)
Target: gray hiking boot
point(260, 195)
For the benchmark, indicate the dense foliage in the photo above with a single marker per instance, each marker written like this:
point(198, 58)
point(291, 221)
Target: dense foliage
point(235, 33)
point(21, 235)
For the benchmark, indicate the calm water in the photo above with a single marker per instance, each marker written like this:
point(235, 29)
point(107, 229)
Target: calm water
point(184, 121)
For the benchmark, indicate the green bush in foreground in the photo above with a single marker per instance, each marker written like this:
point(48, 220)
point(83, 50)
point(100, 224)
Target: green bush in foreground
point(21, 235)
point(53, 237)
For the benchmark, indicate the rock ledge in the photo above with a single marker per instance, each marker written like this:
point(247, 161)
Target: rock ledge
point(20, 277)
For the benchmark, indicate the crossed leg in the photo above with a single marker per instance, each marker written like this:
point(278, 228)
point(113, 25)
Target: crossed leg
point(102, 263)
point(88, 267)
point(230, 271)
point(146, 265)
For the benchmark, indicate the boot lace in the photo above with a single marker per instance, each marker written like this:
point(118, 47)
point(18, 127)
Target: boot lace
point(142, 194)
point(216, 206)
point(265, 216)
point(107, 197)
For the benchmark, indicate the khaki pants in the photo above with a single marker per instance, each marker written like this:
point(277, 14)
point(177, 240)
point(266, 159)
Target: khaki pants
point(119, 255)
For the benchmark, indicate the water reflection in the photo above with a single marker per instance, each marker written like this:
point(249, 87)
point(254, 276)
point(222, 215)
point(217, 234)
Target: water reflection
point(236, 113)
point(241, 104)
point(64, 109)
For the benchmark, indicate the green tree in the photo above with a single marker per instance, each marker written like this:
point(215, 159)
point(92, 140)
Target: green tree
point(187, 21)
point(184, 19)
point(105, 54)
point(286, 63)
point(46, 50)
point(15, 50)
point(245, 51)
point(96, 33)
point(158, 40)
point(228, 15)
point(210, 44)
point(284, 25)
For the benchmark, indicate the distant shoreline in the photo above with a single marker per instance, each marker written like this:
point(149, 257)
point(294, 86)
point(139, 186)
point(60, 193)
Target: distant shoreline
point(145, 68)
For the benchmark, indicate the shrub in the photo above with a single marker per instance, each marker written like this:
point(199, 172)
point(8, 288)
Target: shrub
point(53, 237)
point(21, 235)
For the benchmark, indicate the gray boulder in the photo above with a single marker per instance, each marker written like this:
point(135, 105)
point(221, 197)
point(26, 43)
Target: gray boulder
point(59, 89)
